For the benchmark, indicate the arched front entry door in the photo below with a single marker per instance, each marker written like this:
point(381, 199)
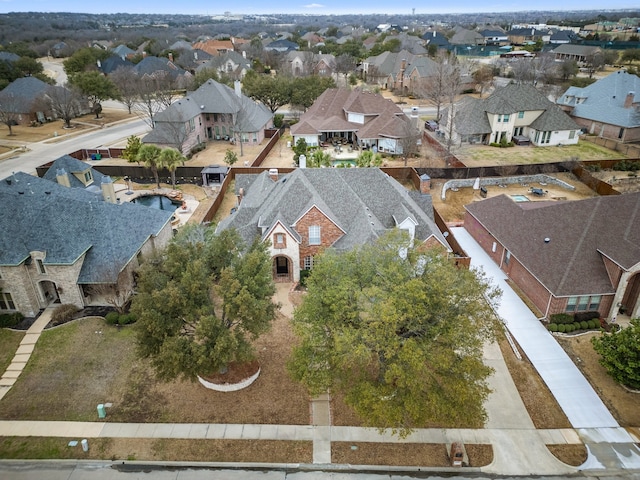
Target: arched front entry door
point(282, 269)
point(631, 294)
point(49, 292)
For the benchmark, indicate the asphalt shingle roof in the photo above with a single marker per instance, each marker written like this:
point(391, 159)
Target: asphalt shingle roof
point(603, 101)
point(362, 202)
point(72, 166)
point(41, 215)
point(580, 233)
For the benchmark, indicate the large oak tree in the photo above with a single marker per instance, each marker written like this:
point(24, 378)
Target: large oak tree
point(399, 333)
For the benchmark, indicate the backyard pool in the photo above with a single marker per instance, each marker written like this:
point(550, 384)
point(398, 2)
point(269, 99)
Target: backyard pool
point(159, 202)
point(519, 198)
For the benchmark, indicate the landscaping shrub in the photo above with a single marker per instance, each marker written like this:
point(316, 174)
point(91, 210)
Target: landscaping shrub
point(580, 316)
point(562, 328)
point(8, 320)
point(570, 327)
point(627, 166)
point(304, 274)
point(584, 324)
point(127, 319)
point(576, 325)
point(63, 313)
point(278, 120)
point(593, 324)
point(561, 318)
point(552, 327)
point(112, 318)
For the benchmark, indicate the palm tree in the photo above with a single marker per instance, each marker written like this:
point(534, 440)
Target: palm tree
point(170, 158)
point(149, 155)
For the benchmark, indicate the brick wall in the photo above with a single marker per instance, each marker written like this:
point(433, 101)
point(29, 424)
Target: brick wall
point(329, 233)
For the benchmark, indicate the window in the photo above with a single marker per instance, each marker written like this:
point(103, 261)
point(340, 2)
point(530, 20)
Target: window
point(192, 125)
point(279, 240)
point(507, 257)
point(571, 304)
point(6, 301)
point(87, 176)
point(583, 303)
point(308, 262)
point(594, 302)
point(572, 134)
point(40, 264)
point(314, 235)
point(505, 118)
point(520, 114)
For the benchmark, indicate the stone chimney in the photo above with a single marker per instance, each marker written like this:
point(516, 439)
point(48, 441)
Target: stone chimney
point(62, 177)
point(171, 57)
point(240, 195)
point(425, 184)
point(273, 174)
point(628, 101)
point(237, 88)
point(108, 190)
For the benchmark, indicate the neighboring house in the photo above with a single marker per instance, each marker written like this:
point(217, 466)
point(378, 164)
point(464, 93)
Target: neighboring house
point(305, 63)
point(565, 256)
point(70, 172)
point(608, 108)
point(111, 64)
point(26, 98)
point(9, 57)
point(124, 52)
point(155, 66)
point(513, 110)
point(524, 36)
point(560, 37)
point(191, 59)
point(466, 37)
point(59, 242)
point(577, 53)
point(363, 119)
point(402, 71)
point(494, 37)
point(307, 211)
point(214, 47)
point(312, 39)
point(213, 112)
point(436, 38)
point(231, 64)
point(281, 46)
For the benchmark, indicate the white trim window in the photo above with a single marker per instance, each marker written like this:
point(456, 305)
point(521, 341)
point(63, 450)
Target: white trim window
point(6, 301)
point(308, 262)
point(314, 235)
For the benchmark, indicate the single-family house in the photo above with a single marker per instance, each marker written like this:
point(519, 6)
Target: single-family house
point(305, 63)
point(309, 210)
point(495, 37)
point(124, 52)
point(464, 36)
point(25, 99)
point(436, 38)
point(609, 108)
point(213, 112)
point(512, 112)
point(402, 71)
point(577, 53)
point(231, 64)
point(282, 45)
point(567, 256)
point(59, 243)
point(151, 66)
point(524, 36)
point(361, 119)
point(214, 47)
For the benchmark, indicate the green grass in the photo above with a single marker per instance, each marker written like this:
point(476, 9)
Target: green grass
point(482, 155)
point(73, 368)
point(40, 448)
point(9, 343)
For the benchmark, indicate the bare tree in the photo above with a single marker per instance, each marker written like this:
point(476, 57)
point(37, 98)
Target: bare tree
point(483, 76)
point(10, 108)
point(148, 104)
point(434, 86)
point(118, 294)
point(166, 88)
point(345, 64)
point(125, 79)
point(65, 102)
point(452, 86)
point(523, 71)
point(409, 141)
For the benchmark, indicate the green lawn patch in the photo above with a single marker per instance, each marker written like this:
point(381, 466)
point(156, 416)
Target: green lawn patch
point(9, 343)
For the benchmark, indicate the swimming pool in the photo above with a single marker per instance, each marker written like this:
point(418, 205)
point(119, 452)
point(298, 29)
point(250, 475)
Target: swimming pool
point(159, 202)
point(519, 198)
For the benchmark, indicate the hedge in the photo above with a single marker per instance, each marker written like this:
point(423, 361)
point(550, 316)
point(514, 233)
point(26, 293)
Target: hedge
point(63, 313)
point(8, 320)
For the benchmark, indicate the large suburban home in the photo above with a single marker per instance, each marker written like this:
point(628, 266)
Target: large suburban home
point(213, 112)
point(307, 211)
point(401, 71)
point(26, 100)
point(305, 63)
point(569, 256)
point(231, 64)
point(577, 53)
point(609, 108)
point(361, 119)
point(58, 244)
point(525, 36)
point(514, 112)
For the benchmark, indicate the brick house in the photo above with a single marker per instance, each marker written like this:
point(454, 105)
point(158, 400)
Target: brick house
point(565, 256)
point(304, 212)
point(609, 107)
point(57, 242)
point(213, 112)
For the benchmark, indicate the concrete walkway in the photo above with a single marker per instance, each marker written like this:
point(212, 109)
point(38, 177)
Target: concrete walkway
point(24, 352)
point(580, 403)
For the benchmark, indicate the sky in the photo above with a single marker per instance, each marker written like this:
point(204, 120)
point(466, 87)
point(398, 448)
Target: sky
point(321, 7)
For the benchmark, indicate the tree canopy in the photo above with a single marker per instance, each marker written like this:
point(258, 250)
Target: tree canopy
point(399, 333)
point(200, 304)
point(620, 353)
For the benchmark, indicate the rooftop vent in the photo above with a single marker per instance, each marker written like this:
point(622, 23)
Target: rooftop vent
point(547, 240)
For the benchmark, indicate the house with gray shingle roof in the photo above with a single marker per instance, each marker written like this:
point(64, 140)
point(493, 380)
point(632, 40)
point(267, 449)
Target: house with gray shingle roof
point(363, 119)
point(27, 98)
point(213, 112)
point(57, 242)
point(576, 53)
point(123, 52)
point(74, 173)
point(151, 66)
point(609, 108)
point(567, 256)
point(308, 210)
point(402, 70)
point(511, 111)
point(230, 64)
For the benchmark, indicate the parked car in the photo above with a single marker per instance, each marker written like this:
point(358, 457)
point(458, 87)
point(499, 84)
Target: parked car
point(431, 125)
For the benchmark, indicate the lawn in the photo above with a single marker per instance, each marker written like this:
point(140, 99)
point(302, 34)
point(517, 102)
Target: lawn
point(9, 342)
point(484, 155)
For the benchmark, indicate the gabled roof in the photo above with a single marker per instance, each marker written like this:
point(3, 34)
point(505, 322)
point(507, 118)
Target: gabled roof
point(24, 92)
point(123, 51)
point(579, 232)
point(492, 33)
point(329, 113)
point(466, 37)
point(362, 202)
point(604, 100)
point(111, 64)
point(435, 38)
point(572, 49)
point(73, 166)
point(69, 222)
point(9, 56)
point(150, 65)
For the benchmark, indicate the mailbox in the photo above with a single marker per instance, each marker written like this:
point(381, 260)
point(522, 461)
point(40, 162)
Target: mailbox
point(457, 455)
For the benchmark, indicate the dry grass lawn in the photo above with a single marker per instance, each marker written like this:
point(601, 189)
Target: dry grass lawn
point(9, 342)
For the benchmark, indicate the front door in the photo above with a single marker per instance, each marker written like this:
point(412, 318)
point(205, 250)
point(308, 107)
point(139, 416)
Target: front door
point(281, 269)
